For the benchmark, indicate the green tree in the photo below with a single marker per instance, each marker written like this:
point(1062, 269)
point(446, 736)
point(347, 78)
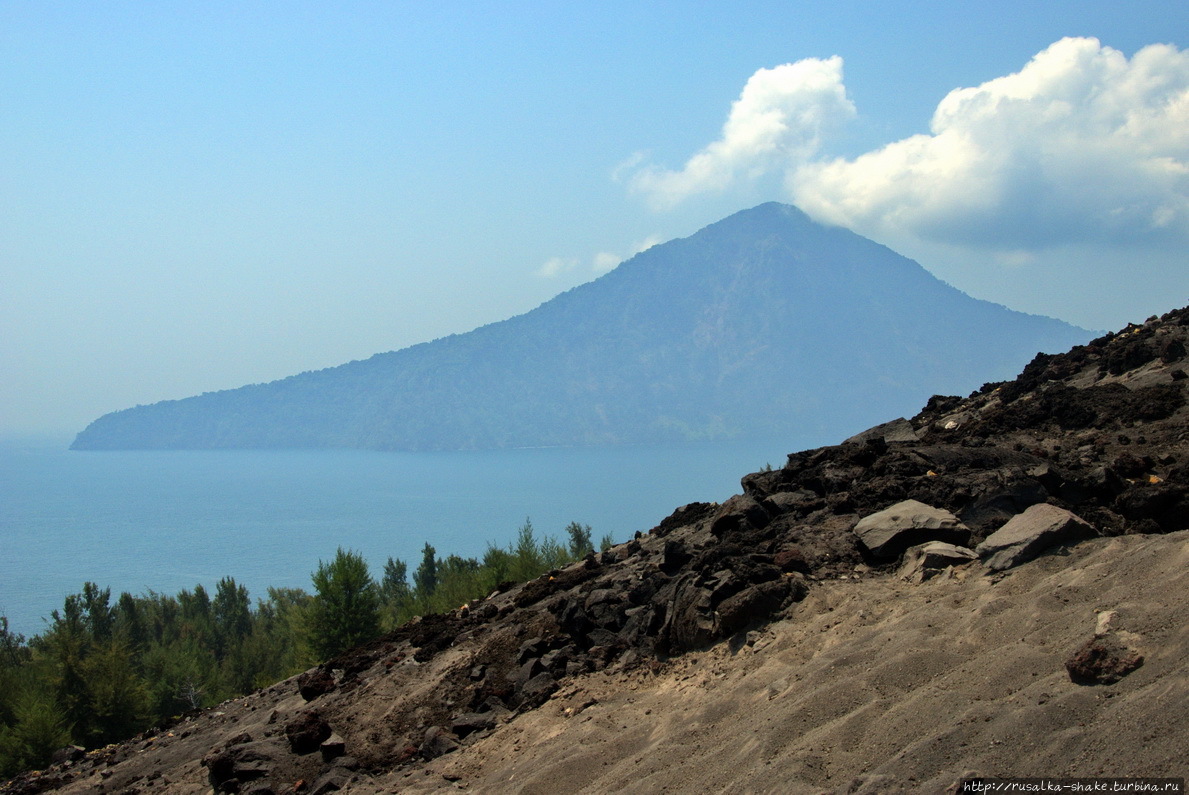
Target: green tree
point(425, 579)
point(14, 655)
point(394, 587)
point(458, 580)
point(38, 729)
point(395, 594)
point(180, 677)
point(66, 646)
point(13, 651)
point(232, 616)
point(527, 560)
point(98, 614)
point(119, 699)
point(497, 568)
point(553, 554)
point(278, 646)
point(345, 610)
point(580, 544)
point(130, 622)
point(93, 670)
point(197, 619)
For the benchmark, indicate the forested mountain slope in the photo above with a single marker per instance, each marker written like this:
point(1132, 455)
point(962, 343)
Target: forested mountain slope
point(765, 323)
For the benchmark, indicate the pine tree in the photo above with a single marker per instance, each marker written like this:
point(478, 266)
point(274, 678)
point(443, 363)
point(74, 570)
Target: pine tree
point(38, 729)
point(345, 610)
point(425, 579)
point(395, 595)
point(395, 585)
point(580, 544)
point(232, 616)
point(527, 560)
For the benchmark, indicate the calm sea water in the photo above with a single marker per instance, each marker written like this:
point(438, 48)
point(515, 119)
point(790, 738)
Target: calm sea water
point(163, 521)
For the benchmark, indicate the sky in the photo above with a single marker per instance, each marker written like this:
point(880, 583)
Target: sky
point(197, 196)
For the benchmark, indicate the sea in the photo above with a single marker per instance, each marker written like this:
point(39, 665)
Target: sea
point(161, 521)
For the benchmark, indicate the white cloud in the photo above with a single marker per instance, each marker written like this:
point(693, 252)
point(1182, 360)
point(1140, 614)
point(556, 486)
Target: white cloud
point(780, 116)
point(556, 266)
point(599, 264)
point(605, 261)
point(1080, 145)
point(1060, 189)
point(646, 243)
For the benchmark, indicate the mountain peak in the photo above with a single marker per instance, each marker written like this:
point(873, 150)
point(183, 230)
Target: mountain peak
point(769, 216)
point(762, 323)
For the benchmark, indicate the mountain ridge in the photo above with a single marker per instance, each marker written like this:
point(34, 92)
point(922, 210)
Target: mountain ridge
point(764, 322)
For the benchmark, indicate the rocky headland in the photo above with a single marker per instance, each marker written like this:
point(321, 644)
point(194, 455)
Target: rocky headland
point(994, 587)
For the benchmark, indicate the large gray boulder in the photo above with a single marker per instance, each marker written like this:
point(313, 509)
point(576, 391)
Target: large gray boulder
point(898, 430)
point(893, 530)
point(1028, 534)
point(927, 560)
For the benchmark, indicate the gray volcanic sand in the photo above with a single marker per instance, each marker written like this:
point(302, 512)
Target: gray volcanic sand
point(879, 686)
point(869, 686)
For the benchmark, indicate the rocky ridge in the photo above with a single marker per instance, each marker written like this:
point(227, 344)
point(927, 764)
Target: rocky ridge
point(1090, 444)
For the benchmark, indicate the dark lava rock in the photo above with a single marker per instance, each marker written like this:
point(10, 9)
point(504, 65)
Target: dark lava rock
point(757, 603)
point(684, 516)
point(71, 753)
point(471, 722)
point(307, 732)
point(740, 512)
point(525, 671)
point(690, 616)
point(1103, 660)
point(315, 683)
point(330, 781)
point(898, 430)
point(439, 741)
point(229, 768)
point(1166, 505)
point(674, 555)
point(537, 690)
point(332, 747)
point(1172, 351)
point(791, 559)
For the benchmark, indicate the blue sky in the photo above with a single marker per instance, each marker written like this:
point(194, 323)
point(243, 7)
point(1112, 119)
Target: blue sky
point(196, 196)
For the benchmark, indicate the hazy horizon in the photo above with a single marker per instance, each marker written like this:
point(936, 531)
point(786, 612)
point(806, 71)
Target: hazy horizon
point(209, 195)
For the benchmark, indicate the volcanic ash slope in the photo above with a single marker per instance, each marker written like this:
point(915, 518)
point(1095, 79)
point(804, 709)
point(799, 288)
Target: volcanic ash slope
point(995, 587)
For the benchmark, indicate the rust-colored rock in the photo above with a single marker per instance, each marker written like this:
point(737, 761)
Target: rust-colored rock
point(307, 732)
point(1102, 660)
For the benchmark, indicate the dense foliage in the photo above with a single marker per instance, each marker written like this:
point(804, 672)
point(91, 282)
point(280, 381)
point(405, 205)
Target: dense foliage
point(106, 669)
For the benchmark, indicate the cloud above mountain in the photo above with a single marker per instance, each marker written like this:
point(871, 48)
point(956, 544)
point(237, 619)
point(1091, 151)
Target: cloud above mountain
point(600, 263)
point(780, 118)
point(1081, 145)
